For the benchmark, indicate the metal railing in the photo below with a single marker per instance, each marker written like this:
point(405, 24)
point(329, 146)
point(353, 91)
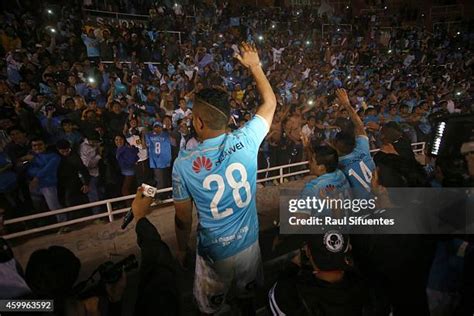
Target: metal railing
point(116, 15)
point(418, 148)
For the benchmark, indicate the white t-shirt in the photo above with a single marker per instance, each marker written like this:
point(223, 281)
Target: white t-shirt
point(277, 54)
point(306, 73)
point(135, 140)
point(180, 114)
point(307, 131)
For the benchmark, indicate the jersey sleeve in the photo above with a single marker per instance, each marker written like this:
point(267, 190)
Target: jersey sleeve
point(180, 191)
point(308, 191)
point(254, 131)
point(362, 144)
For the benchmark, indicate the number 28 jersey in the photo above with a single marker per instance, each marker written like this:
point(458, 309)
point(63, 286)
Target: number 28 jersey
point(220, 175)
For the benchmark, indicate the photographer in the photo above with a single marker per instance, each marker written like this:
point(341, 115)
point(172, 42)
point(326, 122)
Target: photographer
point(157, 289)
point(51, 274)
point(320, 280)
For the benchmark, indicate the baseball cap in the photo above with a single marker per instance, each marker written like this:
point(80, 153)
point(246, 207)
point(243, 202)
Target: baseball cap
point(157, 124)
point(331, 251)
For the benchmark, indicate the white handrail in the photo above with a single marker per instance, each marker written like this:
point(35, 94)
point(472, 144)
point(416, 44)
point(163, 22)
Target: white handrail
point(417, 148)
point(117, 13)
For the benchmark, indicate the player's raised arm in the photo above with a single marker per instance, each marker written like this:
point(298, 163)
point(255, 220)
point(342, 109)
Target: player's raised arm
point(343, 100)
point(249, 58)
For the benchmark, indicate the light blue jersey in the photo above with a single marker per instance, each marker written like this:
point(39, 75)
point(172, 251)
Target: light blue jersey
point(159, 149)
point(92, 46)
point(333, 185)
point(220, 176)
point(358, 166)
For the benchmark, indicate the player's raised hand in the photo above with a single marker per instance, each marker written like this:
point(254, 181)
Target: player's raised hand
point(342, 97)
point(248, 55)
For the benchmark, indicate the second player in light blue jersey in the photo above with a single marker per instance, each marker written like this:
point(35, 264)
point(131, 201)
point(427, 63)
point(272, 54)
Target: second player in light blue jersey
point(330, 182)
point(354, 152)
point(219, 178)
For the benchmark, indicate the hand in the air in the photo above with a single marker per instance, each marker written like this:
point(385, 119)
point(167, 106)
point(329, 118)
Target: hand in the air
point(305, 140)
point(248, 55)
point(342, 97)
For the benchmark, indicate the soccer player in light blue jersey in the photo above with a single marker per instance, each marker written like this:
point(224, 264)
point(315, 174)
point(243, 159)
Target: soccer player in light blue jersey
point(354, 152)
point(330, 182)
point(219, 177)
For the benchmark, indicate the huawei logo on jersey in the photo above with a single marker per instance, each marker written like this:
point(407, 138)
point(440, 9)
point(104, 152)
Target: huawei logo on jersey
point(201, 162)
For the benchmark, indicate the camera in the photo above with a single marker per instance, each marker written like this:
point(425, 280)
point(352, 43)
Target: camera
point(111, 272)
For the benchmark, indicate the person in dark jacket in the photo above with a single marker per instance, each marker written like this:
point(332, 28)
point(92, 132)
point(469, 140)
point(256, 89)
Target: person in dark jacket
point(396, 161)
point(320, 281)
point(157, 287)
point(115, 118)
point(18, 150)
point(127, 157)
point(73, 176)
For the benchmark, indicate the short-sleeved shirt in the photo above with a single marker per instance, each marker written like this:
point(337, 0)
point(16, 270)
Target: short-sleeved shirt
point(358, 166)
point(331, 185)
point(220, 175)
point(159, 150)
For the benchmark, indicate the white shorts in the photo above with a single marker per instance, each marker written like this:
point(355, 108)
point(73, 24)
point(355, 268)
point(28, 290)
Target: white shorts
point(241, 274)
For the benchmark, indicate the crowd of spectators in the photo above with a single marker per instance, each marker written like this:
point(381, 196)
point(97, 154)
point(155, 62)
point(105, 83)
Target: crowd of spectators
point(91, 108)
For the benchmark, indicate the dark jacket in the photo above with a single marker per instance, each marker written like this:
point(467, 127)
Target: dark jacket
point(400, 171)
point(157, 289)
point(115, 122)
point(70, 171)
point(16, 151)
point(299, 292)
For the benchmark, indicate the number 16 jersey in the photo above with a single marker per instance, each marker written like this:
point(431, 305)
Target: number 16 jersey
point(220, 175)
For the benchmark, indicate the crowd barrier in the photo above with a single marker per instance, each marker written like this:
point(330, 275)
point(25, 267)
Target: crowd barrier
point(418, 148)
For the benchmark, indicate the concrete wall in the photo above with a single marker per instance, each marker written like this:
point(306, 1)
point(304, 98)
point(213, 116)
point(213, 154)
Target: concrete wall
point(97, 243)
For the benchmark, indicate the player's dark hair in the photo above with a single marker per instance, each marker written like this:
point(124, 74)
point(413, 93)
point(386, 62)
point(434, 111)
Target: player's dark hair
point(326, 156)
point(345, 142)
point(213, 108)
